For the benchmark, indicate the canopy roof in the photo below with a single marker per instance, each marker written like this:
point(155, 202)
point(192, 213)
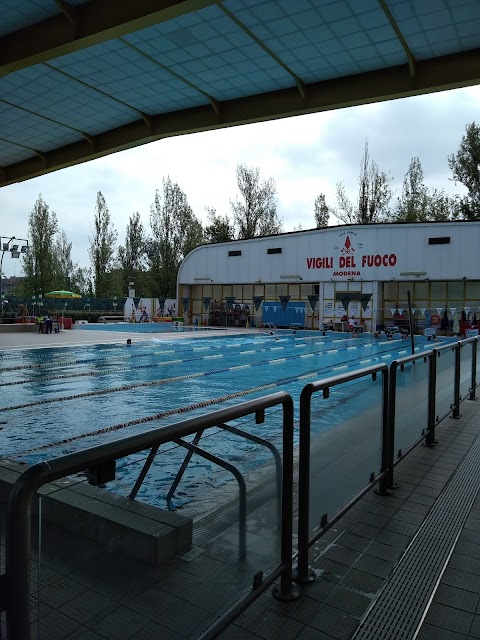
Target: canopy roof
point(81, 79)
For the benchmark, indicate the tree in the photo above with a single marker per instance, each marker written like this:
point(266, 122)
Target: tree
point(418, 204)
point(465, 166)
point(412, 205)
point(255, 213)
point(81, 281)
point(131, 256)
point(220, 229)
point(40, 264)
point(102, 247)
point(175, 232)
point(63, 256)
point(321, 211)
point(374, 195)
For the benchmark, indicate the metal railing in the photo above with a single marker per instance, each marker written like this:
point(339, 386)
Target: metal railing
point(303, 573)
point(385, 478)
point(15, 583)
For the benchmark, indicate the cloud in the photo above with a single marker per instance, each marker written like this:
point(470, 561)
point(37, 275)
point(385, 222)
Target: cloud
point(306, 155)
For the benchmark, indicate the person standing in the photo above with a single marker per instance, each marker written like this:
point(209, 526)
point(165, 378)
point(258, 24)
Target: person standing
point(48, 323)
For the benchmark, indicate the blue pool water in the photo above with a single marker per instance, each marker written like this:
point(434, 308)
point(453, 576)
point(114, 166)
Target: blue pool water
point(59, 400)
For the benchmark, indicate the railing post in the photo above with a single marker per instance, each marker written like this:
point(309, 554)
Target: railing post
point(390, 448)
point(432, 388)
point(303, 573)
point(287, 590)
point(456, 384)
point(18, 552)
point(473, 382)
point(383, 485)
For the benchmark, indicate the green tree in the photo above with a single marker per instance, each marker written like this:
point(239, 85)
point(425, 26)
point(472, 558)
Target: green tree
point(255, 212)
point(418, 204)
point(63, 257)
point(413, 204)
point(40, 263)
point(321, 211)
point(219, 229)
point(465, 166)
point(102, 247)
point(81, 281)
point(374, 195)
point(175, 232)
point(131, 255)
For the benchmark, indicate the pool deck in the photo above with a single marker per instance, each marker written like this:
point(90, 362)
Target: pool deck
point(357, 563)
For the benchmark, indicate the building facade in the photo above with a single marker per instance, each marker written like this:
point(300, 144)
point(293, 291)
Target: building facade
point(318, 276)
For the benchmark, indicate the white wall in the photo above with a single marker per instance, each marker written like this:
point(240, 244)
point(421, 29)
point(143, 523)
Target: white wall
point(323, 254)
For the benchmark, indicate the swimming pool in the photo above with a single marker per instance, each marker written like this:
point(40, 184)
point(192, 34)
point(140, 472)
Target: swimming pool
point(58, 400)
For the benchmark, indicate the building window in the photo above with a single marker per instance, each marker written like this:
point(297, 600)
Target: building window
point(275, 250)
point(234, 253)
point(445, 240)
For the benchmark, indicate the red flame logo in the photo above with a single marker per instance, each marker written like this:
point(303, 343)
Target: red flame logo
point(348, 247)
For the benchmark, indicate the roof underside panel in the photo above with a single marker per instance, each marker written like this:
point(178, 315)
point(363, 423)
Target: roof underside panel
point(83, 78)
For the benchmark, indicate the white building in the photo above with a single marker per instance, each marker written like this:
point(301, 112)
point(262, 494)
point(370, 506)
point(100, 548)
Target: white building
point(319, 274)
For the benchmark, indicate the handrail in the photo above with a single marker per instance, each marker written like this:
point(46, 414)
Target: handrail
point(303, 573)
point(432, 419)
point(235, 430)
point(242, 489)
point(18, 533)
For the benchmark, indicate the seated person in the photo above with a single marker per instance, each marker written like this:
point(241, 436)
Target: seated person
point(344, 318)
point(352, 323)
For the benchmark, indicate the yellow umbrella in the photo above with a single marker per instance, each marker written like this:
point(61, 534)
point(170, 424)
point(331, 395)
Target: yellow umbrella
point(62, 295)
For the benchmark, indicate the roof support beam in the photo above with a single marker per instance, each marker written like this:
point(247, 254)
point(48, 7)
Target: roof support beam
point(448, 72)
point(87, 25)
point(399, 34)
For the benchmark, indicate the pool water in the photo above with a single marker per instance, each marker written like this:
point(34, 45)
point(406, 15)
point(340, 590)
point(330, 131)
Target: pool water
point(59, 400)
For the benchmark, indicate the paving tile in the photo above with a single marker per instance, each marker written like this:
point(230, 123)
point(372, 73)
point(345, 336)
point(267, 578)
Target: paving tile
point(303, 609)
point(155, 632)
point(457, 598)
point(272, 626)
point(411, 517)
point(430, 632)
point(342, 555)
point(334, 622)
point(352, 541)
point(383, 551)
point(348, 601)
point(465, 563)
point(475, 627)
point(54, 626)
point(469, 535)
point(448, 618)
point(393, 539)
point(375, 566)
point(402, 527)
point(462, 580)
point(121, 624)
point(421, 498)
point(363, 582)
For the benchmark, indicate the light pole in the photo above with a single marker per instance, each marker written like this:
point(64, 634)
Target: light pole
point(14, 246)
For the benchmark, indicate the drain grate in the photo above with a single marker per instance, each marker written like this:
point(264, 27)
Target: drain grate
point(401, 605)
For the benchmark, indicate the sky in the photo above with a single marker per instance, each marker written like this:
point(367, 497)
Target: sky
point(305, 155)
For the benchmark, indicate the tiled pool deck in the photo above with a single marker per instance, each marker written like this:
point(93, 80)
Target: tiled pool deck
point(92, 596)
